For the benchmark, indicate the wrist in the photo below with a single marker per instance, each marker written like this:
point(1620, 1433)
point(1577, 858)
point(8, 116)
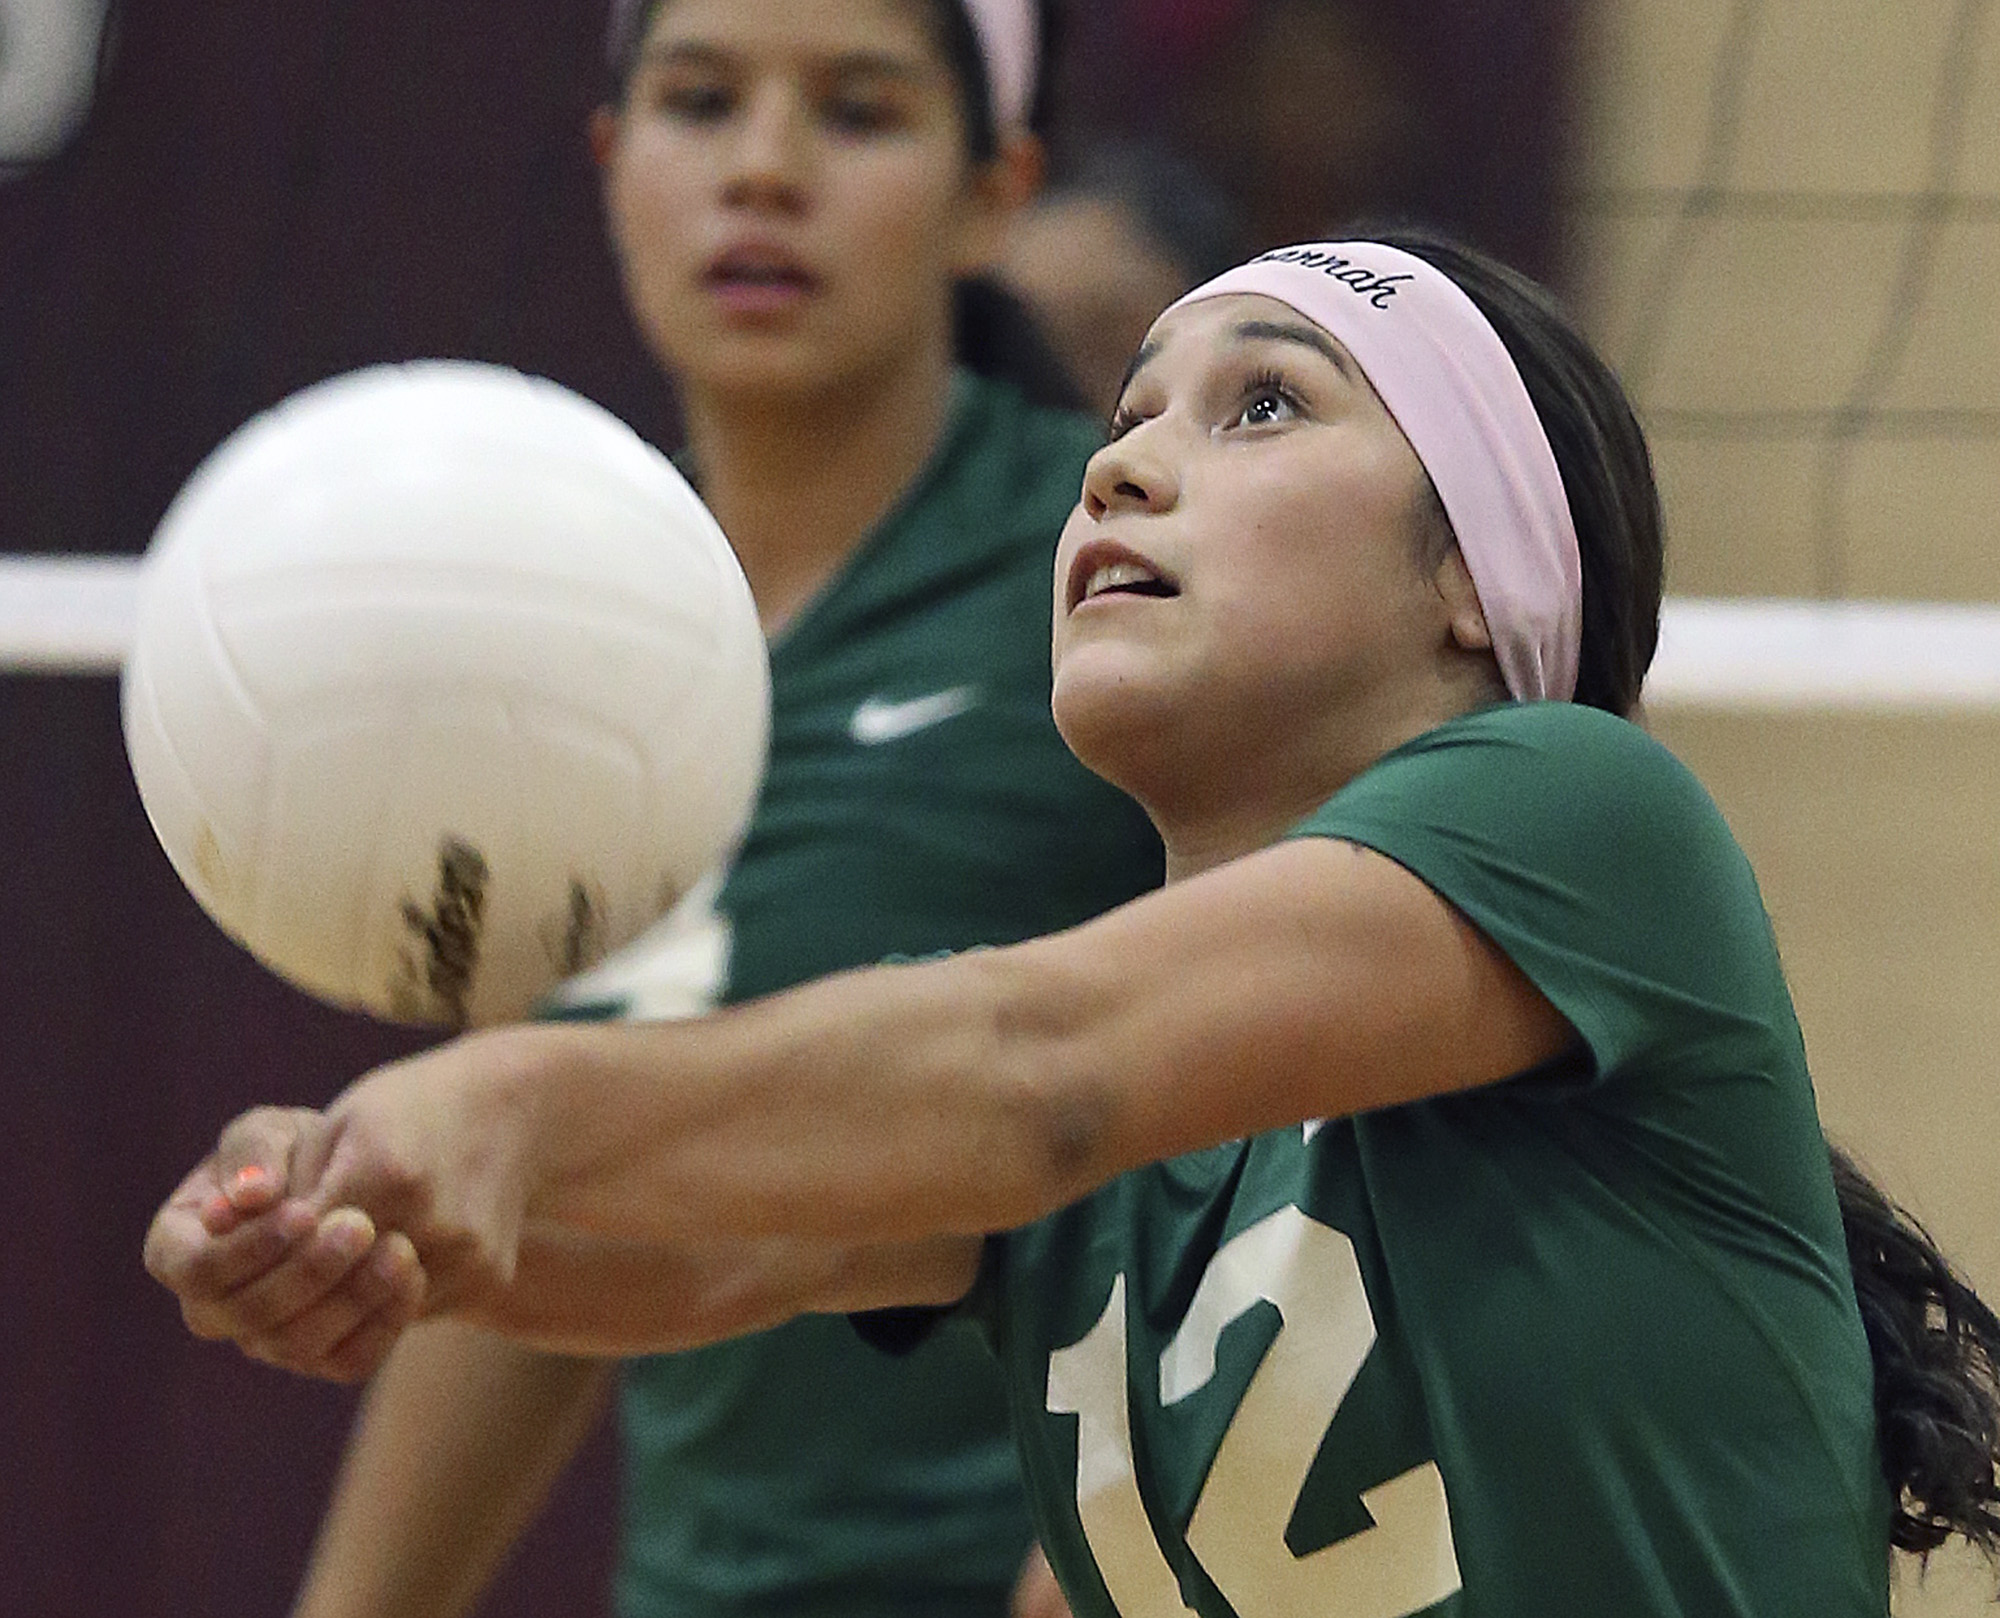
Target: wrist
point(518, 1100)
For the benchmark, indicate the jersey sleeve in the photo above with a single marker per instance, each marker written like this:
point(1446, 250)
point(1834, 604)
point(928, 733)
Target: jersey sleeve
point(1597, 863)
point(901, 1331)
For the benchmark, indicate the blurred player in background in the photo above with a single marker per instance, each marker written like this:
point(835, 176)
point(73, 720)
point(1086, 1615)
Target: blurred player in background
point(1417, 1206)
point(1100, 254)
point(802, 198)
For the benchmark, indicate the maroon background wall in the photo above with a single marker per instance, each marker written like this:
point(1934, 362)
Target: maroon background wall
point(268, 193)
point(271, 191)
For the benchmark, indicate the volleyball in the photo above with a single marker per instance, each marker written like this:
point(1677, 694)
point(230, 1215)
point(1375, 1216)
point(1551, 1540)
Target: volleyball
point(444, 684)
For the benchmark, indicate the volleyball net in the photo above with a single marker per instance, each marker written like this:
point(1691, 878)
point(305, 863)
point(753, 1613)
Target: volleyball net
point(1788, 230)
point(74, 616)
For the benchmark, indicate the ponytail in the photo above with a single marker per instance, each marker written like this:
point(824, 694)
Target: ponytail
point(1936, 1349)
point(996, 336)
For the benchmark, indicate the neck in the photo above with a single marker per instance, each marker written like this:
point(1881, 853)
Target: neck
point(799, 481)
point(1201, 834)
point(1260, 794)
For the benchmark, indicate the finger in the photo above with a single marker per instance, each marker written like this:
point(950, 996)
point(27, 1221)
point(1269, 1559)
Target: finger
point(182, 1255)
point(253, 1159)
point(201, 1194)
point(192, 1198)
point(313, 1158)
point(334, 1166)
point(384, 1290)
point(273, 1297)
point(175, 1226)
point(252, 1189)
point(219, 1216)
point(342, 1157)
point(361, 1356)
point(174, 1235)
point(408, 1279)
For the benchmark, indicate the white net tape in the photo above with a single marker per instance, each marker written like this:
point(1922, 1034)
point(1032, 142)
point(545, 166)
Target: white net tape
point(66, 615)
point(73, 615)
point(1916, 656)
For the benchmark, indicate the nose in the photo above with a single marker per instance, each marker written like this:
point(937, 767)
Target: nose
point(768, 162)
point(1129, 475)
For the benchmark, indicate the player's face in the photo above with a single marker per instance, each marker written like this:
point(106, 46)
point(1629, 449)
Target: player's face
point(790, 192)
point(1241, 595)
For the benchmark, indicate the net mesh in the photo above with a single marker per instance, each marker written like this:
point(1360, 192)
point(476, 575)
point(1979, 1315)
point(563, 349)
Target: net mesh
point(1790, 223)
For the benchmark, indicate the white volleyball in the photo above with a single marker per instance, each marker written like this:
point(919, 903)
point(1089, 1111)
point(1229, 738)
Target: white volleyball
point(445, 683)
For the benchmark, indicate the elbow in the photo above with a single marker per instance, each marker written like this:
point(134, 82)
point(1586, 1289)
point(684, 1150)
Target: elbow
point(1061, 1116)
point(1072, 1139)
point(1056, 1148)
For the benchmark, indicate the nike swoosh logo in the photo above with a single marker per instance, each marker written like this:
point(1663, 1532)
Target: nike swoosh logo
point(876, 721)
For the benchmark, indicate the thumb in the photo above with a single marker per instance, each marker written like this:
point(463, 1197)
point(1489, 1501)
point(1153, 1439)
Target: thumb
point(253, 1160)
point(322, 1173)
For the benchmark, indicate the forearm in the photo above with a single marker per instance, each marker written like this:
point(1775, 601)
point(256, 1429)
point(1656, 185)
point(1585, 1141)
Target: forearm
point(882, 1107)
point(459, 1440)
point(577, 1293)
point(900, 1105)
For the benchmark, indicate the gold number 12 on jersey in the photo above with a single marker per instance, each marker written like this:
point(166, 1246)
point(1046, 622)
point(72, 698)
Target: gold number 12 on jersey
point(1309, 1271)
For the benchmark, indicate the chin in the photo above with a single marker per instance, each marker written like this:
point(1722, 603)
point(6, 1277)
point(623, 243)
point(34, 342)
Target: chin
point(785, 356)
point(756, 363)
point(1114, 725)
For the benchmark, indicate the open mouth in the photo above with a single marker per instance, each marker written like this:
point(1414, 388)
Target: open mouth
point(756, 271)
point(1107, 571)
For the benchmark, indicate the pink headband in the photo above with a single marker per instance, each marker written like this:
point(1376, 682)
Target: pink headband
point(1010, 42)
point(1010, 45)
point(1454, 391)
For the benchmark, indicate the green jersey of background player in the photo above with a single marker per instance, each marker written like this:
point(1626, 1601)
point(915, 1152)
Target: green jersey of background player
point(918, 801)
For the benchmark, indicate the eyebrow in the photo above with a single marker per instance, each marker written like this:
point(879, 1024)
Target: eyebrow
point(1302, 333)
point(846, 65)
point(674, 50)
point(1148, 352)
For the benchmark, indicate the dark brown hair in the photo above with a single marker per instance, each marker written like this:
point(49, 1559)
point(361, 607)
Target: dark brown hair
point(1935, 1345)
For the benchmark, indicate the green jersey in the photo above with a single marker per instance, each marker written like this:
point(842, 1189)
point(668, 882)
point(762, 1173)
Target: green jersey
point(918, 800)
point(1584, 1343)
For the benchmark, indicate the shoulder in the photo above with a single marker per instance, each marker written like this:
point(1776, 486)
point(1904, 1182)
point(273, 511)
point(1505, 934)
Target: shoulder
point(1592, 857)
point(983, 521)
point(971, 538)
point(1544, 733)
point(1535, 770)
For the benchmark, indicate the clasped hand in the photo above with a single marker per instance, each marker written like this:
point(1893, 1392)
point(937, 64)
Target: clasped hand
point(313, 1239)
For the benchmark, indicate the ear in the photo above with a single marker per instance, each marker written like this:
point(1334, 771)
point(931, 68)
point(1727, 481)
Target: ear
point(1467, 619)
point(1001, 188)
point(606, 130)
point(603, 136)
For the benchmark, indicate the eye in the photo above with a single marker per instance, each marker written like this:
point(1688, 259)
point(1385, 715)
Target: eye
point(1129, 417)
point(694, 101)
point(1266, 402)
point(853, 114)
